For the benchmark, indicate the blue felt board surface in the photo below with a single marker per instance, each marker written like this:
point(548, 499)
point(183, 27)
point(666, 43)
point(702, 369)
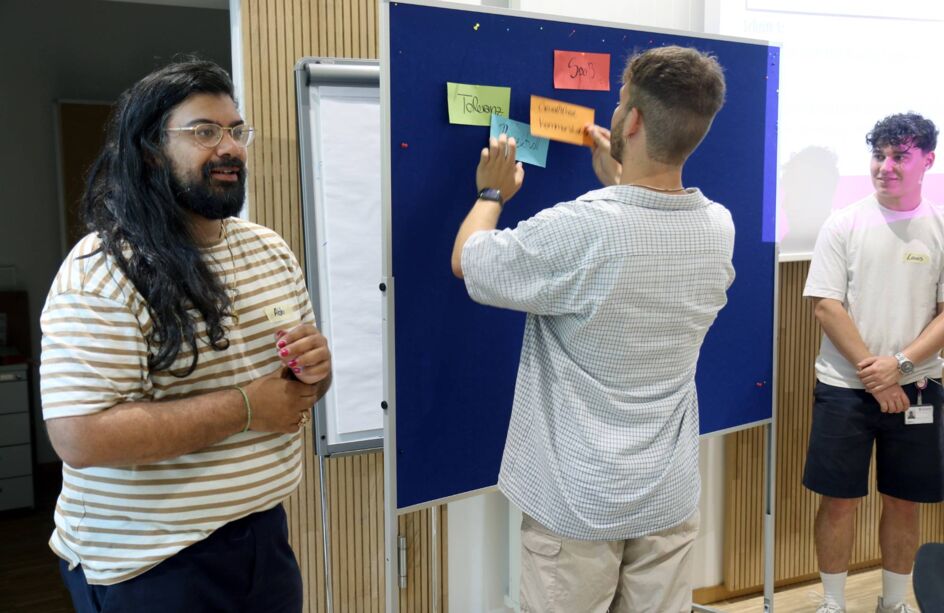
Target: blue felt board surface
point(456, 361)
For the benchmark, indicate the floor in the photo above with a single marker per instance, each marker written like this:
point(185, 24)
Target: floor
point(862, 591)
point(29, 571)
point(30, 582)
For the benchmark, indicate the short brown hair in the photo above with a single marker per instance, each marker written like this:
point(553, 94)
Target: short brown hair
point(678, 91)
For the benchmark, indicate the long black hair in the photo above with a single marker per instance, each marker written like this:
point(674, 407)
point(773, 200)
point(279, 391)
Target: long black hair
point(130, 203)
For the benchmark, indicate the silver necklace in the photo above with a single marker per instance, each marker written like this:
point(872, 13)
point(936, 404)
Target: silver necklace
point(231, 281)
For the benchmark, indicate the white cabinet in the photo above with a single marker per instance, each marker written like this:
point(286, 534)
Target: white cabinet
point(16, 444)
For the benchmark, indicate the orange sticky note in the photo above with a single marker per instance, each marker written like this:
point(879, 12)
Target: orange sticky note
point(560, 121)
point(579, 70)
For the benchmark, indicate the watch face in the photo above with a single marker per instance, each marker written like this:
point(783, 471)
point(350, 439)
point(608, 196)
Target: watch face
point(490, 193)
point(907, 367)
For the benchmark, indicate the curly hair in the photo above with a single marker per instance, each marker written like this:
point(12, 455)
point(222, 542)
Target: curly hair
point(130, 203)
point(903, 128)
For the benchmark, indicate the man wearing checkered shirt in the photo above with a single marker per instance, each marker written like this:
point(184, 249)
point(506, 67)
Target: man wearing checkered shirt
point(620, 287)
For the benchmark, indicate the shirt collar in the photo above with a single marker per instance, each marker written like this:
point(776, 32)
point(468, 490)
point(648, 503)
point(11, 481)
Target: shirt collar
point(692, 198)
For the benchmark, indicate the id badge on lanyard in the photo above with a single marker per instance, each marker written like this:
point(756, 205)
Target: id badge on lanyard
point(920, 413)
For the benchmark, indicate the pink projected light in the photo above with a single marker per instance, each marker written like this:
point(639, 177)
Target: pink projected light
point(853, 189)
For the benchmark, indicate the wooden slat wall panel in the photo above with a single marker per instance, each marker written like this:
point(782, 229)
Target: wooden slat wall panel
point(417, 596)
point(795, 555)
point(276, 33)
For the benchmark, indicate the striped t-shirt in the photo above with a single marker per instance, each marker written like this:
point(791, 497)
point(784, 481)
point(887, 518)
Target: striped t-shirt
point(119, 522)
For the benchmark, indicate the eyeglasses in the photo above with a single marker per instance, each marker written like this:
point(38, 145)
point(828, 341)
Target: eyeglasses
point(210, 135)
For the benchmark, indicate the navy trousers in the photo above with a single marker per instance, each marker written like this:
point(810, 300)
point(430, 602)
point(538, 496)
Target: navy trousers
point(244, 567)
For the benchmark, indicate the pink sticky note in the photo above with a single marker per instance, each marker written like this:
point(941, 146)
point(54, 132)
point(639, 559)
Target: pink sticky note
point(579, 70)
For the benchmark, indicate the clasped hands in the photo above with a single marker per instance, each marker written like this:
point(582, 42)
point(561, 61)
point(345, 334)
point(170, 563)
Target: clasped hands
point(880, 376)
point(282, 401)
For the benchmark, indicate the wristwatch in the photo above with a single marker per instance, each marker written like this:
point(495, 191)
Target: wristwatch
point(905, 366)
point(491, 193)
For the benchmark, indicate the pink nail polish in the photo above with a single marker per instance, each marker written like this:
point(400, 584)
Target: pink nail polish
point(297, 369)
point(293, 363)
point(280, 344)
point(279, 334)
point(283, 352)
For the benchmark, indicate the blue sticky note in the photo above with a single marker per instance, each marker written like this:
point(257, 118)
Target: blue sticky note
point(531, 149)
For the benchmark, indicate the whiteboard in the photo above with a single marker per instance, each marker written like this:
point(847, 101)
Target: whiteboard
point(339, 140)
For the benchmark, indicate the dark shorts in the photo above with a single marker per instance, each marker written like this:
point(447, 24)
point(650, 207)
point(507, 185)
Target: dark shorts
point(243, 567)
point(909, 460)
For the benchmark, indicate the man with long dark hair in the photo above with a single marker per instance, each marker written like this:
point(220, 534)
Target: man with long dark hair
point(180, 363)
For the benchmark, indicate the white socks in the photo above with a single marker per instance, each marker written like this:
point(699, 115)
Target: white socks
point(894, 587)
point(834, 588)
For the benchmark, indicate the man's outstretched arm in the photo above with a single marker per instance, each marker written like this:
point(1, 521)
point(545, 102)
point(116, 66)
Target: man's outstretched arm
point(497, 169)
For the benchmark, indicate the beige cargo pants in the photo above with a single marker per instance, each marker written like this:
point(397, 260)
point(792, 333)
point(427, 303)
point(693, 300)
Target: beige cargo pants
point(650, 574)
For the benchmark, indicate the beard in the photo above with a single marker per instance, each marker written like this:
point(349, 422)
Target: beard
point(209, 198)
point(616, 139)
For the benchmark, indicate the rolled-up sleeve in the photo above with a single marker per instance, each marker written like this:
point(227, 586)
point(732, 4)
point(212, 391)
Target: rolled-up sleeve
point(536, 267)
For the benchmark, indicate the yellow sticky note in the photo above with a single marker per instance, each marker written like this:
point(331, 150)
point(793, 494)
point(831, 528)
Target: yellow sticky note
point(560, 121)
point(473, 105)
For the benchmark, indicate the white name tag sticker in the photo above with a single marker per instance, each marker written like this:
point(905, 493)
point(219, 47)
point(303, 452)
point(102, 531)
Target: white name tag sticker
point(282, 311)
point(919, 414)
point(917, 258)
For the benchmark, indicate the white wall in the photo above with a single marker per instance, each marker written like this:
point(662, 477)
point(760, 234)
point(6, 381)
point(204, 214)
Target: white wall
point(478, 560)
point(668, 14)
point(78, 50)
point(686, 15)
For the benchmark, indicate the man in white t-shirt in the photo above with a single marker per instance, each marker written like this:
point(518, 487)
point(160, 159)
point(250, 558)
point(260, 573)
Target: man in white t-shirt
point(877, 284)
